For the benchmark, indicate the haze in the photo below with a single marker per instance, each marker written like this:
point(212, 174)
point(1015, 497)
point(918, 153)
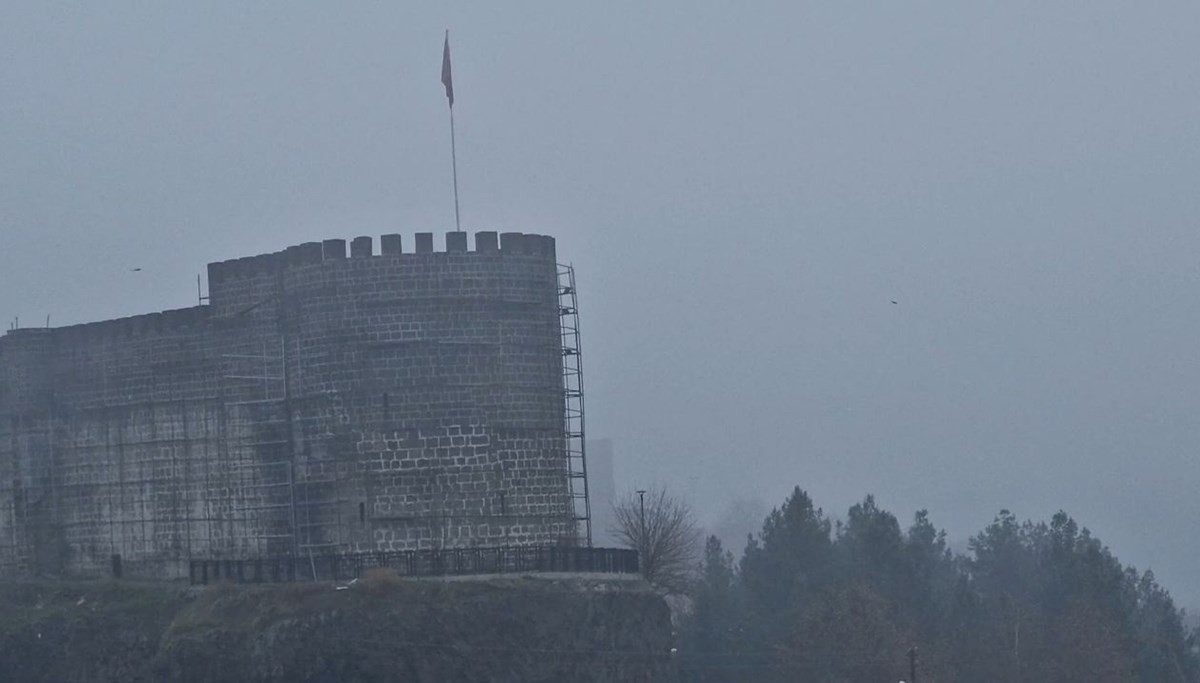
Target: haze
point(743, 191)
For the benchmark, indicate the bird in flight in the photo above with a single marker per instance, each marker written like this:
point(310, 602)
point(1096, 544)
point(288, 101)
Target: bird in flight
point(138, 270)
point(894, 301)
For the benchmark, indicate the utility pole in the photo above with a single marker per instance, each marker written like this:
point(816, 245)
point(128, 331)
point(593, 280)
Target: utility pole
point(642, 519)
point(912, 664)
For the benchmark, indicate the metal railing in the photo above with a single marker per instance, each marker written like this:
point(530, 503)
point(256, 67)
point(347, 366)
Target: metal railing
point(416, 563)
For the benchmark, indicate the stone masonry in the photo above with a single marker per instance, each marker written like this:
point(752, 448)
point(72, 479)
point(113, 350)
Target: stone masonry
point(320, 402)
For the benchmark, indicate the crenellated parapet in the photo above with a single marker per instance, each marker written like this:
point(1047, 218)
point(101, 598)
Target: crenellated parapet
point(390, 246)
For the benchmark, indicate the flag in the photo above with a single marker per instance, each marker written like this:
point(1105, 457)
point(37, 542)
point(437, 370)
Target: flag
point(446, 79)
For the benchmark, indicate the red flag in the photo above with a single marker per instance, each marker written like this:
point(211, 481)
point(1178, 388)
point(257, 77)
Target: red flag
point(446, 79)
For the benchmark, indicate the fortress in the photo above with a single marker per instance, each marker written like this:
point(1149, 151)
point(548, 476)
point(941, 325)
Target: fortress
point(317, 402)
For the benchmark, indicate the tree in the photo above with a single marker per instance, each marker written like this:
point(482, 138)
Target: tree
point(662, 528)
point(711, 643)
point(845, 633)
point(1091, 647)
point(932, 569)
point(791, 556)
point(873, 548)
point(1167, 651)
point(1043, 601)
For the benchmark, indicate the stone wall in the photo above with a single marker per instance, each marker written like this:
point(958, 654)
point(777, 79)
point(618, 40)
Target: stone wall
point(320, 402)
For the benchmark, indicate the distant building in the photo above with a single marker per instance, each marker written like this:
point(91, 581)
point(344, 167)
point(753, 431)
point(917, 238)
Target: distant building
point(602, 490)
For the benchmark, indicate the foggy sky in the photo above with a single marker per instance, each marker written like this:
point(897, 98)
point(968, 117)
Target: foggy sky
point(743, 192)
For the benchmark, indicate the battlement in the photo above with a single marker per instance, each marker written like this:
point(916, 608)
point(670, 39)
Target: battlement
point(391, 246)
point(299, 256)
point(182, 319)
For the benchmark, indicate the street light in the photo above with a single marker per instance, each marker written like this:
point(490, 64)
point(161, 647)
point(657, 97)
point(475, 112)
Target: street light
point(642, 504)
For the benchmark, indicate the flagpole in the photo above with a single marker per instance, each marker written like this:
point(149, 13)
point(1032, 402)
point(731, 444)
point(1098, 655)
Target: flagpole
point(454, 166)
point(448, 81)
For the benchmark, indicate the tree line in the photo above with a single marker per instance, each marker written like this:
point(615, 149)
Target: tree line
point(864, 600)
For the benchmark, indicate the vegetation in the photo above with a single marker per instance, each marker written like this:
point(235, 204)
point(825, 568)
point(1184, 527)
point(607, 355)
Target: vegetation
point(814, 601)
point(380, 628)
point(663, 529)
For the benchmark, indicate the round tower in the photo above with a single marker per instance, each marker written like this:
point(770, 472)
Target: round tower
point(422, 391)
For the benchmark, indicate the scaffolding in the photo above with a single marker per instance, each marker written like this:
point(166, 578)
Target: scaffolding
point(286, 500)
point(573, 432)
point(257, 452)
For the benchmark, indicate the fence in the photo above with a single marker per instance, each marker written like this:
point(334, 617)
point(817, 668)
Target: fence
point(450, 562)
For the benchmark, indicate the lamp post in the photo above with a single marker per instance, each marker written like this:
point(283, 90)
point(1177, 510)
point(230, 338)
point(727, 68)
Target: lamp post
point(642, 520)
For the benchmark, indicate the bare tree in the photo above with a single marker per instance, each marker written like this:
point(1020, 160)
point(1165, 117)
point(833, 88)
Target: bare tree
point(662, 528)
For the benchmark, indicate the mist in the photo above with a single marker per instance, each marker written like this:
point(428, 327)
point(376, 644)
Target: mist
point(941, 253)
